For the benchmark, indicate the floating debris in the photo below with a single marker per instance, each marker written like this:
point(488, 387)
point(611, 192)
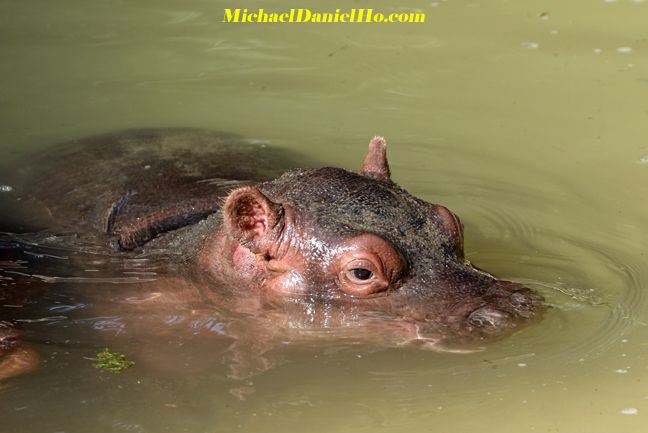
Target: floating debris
point(5, 188)
point(624, 50)
point(630, 411)
point(644, 159)
point(531, 45)
point(111, 361)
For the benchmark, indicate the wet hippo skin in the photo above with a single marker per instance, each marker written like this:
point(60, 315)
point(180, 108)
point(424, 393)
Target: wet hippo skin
point(353, 248)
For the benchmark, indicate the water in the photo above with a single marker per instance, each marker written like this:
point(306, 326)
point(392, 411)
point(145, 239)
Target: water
point(528, 119)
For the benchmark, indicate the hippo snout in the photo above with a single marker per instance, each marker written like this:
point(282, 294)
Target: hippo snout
point(470, 304)
point(506, 306)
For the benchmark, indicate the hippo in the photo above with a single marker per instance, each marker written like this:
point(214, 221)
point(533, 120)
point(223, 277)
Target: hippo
point(350, 252)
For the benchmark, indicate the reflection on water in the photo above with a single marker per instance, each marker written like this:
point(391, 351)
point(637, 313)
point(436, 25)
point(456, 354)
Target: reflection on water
point(526, 118)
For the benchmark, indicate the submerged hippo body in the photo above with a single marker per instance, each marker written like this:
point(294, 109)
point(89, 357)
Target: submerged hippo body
point(322, 248)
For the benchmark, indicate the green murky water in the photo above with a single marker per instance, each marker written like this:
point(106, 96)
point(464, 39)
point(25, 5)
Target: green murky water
point(529, 119)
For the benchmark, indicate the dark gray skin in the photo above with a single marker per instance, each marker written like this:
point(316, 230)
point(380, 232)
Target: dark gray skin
point(355, 250)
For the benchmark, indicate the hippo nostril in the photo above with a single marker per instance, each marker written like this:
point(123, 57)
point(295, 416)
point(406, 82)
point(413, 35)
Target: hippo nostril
point(518, 299)
point(521, 303)
point(489, 317)
point(524, 303)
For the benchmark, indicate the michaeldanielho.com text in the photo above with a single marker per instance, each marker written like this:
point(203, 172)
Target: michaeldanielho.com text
point(306, 16)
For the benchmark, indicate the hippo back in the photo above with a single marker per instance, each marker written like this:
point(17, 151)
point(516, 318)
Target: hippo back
point(135, 183)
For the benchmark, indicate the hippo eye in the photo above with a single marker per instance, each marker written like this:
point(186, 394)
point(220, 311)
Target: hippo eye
point(367, 266)
point(362, 274)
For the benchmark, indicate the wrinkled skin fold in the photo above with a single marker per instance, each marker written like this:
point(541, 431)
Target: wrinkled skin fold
point(321, 248)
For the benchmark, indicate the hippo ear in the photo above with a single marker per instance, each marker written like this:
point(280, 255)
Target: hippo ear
point(250, 217)
point(451, 222)
point(375, 164)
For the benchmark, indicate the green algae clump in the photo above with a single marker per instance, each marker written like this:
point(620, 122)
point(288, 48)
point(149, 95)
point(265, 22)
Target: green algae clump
point(112, 361)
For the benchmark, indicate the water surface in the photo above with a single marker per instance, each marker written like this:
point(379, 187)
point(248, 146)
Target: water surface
point(528, 119)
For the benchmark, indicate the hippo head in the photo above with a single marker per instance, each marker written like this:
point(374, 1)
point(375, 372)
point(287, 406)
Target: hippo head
point(359, 242)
